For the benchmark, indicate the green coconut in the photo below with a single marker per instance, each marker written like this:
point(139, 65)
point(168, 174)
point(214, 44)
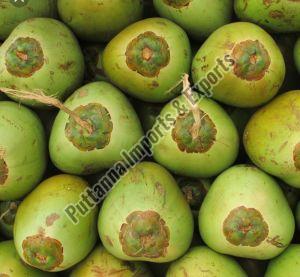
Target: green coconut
point(189, 141)
point(41, 54)
point(202, 261)
point(198, 18)
point(252, 218)
point(114, 124)
point(297, 55)
point(12, 265)
point(276, 16)
point(287, 264)
point(146, 217)
point(239, 65)
point(13, 12)
point(8, 210)
point(22, 150)
point(44, 236)
point(99, 20)
point(271, 138)
point(101, 263)
point(148, 58)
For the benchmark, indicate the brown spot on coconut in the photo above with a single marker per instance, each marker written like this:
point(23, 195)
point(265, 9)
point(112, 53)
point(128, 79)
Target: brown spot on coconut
point(178, 4)
point(51, 219)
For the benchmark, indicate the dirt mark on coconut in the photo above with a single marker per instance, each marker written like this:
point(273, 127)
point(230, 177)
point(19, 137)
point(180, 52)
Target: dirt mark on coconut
point(3, 167)
point(276, 14)
point(276, 242)
point(296, 156)
point(51, 219)
point(3, 171)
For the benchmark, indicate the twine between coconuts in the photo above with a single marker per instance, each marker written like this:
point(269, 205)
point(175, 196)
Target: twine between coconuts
point(11, 207)
point(41, 97)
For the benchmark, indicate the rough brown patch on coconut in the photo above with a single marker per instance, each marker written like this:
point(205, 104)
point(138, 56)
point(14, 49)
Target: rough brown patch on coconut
point(194, 141)
point(145, 234)
point(245, 226)
point(43, 252)
point(147, 54)
point(100, 120)
point(252, 60)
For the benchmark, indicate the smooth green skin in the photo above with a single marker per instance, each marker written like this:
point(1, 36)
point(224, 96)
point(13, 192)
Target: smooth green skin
point(60, 48)
point(204, 165)
point(52, 196)
point(12, 265)
point(231, 89)
point(23, 142)
point(297, 55)
point(285, 17)
point(137, 191)
point(287, 264)
point(105, 264)
point(11, 16)
point(199, 18)
point(137, 85)
point(201, 261)
point(297, 215)
point(99, 20)
point(69, 158)
point(245, 185)
point(278, 124)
